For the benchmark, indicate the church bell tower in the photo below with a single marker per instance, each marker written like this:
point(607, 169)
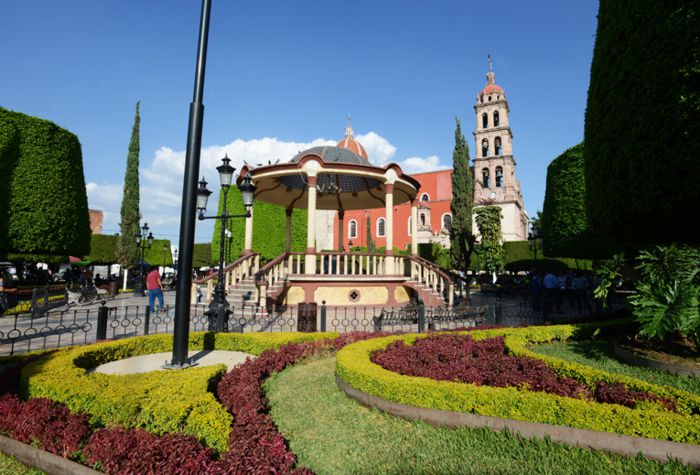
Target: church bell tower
point(494, 166)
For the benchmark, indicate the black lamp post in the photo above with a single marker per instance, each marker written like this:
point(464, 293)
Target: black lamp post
point(535, 243)
point(144, 239)
point(219, 307)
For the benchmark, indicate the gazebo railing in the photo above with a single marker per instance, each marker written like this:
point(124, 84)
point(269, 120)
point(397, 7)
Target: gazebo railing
point(240, 269)
point(427, 275)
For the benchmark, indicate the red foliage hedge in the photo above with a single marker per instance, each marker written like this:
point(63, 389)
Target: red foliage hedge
point(485, 362)
point(44, 422)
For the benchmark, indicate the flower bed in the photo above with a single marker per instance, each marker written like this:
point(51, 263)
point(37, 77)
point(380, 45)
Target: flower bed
point(646, 419)
point(254, 443)
point(161, 402)
point(447, 357)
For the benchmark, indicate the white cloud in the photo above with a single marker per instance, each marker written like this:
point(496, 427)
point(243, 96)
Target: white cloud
point(420, 165)
point(379, 150)
point(161, 178)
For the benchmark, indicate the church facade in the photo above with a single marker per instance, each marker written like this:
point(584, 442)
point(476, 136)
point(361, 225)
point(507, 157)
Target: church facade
point(495, 183)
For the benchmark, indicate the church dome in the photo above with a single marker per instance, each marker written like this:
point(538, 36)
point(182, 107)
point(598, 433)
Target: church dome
point(351, 144)
point(490, 89)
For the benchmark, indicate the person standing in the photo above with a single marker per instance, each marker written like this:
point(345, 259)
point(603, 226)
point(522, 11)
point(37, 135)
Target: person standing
point(155, 289)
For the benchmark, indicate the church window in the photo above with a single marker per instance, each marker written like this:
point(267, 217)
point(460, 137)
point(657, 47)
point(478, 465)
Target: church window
point(485, 178)
point(425, 197)
point(422, 219)
point(497, 145)
point(380, 227)
point(485, 148)
point(484, 120)
point(447, 221)
point(496, 119)
point(352, 229)
point(499, 177)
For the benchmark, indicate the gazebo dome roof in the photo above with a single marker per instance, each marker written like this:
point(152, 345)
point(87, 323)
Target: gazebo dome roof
point(331, 154)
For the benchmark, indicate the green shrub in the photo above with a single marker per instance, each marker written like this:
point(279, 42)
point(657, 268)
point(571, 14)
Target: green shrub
point(43, 187)
point(159, 401)
point(354, 367)
point(201, 255)
point(668, 294)
point(643, 122)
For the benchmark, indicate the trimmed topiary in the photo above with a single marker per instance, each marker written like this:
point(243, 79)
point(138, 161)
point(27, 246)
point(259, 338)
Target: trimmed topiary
point(643, 122)
point(42, 189)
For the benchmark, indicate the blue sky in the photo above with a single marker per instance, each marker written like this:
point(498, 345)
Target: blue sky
point(282, 75)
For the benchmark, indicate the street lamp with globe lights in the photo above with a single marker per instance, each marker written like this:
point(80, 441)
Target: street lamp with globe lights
point(219, 307)
point(144, 240)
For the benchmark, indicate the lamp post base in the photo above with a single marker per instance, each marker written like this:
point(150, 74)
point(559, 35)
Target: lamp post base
point(187, 364)
point(218, 312)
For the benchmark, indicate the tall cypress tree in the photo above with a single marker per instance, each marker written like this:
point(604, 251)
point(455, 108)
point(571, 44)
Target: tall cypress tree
point(371, 247)
point(461, 236)
point(130, 215)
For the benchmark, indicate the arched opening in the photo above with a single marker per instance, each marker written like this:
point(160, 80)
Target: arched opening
point(496, 119)
point(352, 229)
point(485, 178)
point(425, 197)
point(485, 148)
point(447, 222)
point(422, 219)
point(380, 227)
point(499, 177)
point(497, 146)
point(484, 120)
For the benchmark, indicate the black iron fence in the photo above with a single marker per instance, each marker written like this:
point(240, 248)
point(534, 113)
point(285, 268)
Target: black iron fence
point(24, 333)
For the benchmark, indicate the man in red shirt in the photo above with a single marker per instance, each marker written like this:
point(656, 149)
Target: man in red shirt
point(155, 288)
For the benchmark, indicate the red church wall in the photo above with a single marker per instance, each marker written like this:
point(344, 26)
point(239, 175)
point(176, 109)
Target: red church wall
point(437, 185)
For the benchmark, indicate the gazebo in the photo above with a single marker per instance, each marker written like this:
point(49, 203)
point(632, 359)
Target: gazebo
point(337, 178)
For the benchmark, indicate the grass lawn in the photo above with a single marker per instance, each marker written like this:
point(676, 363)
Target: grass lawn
point(10, 466)
point(600, 354)
point(332, 434)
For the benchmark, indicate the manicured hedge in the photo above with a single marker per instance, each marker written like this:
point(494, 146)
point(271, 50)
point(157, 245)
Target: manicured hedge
point(564, 223)
point(354, 367)
point(103, 249)
point(269, 228)
point(201, 256)
point(160, 402)
point(42, 191)
point(643, 122)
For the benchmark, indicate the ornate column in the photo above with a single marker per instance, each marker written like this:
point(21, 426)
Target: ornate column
point(389, 231)
point(341, 228)
point(248, 246)
point(288, 231)
point(310, 258)
point(414, 227)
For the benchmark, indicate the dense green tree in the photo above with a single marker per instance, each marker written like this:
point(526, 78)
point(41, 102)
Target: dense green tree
point(371, 246)
point(564, 226)
point(536, 224)
point(130, 215)
point(44, 213)
point(461, 236)
point(643, 122)
point(492, 255)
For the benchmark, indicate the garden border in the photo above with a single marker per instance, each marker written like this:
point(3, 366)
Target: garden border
point(583, 438)
point(41, 459)
point(638, 360)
